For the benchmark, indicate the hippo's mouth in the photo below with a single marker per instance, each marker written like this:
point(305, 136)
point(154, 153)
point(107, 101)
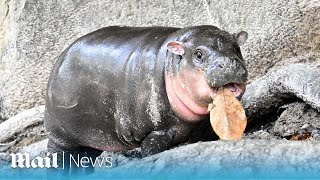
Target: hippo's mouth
point(236, 88)
point(190, 108)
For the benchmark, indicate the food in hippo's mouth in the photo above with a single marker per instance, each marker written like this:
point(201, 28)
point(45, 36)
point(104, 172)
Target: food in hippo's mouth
point(227, 116)
point(236, 88)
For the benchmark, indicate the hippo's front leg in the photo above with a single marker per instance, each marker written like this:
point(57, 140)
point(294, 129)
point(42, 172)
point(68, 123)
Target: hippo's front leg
point(156, 142)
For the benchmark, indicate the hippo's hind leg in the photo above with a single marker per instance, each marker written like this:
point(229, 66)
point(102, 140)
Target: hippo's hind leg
point(70, 160)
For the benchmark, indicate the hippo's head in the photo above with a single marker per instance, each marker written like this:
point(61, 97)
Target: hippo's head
point(201, 60)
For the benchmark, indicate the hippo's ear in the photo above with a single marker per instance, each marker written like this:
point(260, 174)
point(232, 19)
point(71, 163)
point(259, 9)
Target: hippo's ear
point(176, 47)
point(241, 37)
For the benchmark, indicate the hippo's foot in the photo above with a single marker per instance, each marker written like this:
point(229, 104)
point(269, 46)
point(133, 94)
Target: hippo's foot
point(72, 161)
point(266, 95)
point(156, 142)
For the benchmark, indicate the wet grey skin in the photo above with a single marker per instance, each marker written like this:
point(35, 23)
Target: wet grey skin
point(107, 90)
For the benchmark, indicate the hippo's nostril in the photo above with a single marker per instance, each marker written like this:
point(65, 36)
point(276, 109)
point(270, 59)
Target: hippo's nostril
point(220, 66)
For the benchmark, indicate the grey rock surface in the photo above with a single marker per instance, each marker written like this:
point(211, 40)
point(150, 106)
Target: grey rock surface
point(280, 86)
point(232, 159)
point(298, 119)
point(34, 32)
point(4, 159)
point(22, 129)
point(295, 121)
point(245, 158)
point(35, 149)
point(21, 122)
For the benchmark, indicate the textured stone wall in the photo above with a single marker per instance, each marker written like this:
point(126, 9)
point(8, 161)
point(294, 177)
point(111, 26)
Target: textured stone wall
point(34, 32)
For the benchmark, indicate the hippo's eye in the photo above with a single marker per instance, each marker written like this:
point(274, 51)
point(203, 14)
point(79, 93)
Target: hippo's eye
point(199, 55)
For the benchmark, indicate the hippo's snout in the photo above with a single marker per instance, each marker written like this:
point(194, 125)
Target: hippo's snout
point(225, 71)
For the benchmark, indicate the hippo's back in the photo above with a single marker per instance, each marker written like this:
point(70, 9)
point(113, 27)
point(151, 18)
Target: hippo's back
point(114, 47)
point(107, 56)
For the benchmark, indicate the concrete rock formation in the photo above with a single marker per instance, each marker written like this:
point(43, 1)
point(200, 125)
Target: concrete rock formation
point(280, 86)
point(22, 129)
point(34, 32)
point(232, 159)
